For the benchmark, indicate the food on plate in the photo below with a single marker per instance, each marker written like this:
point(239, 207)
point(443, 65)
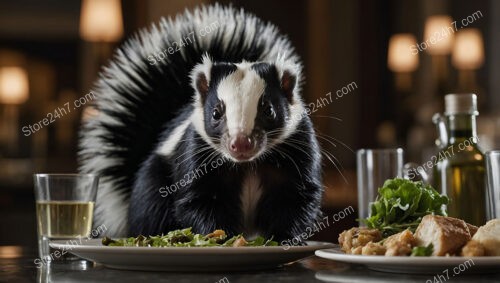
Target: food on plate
point(489, 237)
point(400, 244)
point(186, 238)
point(401, 204)
point(446, 234)
point(409, 219)
point(422, 250)
point(435, 236)
point(367, 241)
point(353, 240)
point(472, 248)
point(373, 249)
point(472, 229)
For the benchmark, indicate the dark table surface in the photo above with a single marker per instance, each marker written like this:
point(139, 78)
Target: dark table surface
point(17, 265)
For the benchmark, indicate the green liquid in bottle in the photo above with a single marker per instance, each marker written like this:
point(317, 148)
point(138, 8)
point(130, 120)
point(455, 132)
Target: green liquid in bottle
point(460, 171)
point(464, 185)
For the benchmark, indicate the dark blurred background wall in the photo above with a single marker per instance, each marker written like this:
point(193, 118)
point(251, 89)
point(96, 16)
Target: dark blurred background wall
point(344, 46)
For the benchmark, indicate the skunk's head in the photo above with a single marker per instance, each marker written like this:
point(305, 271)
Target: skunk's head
point(242, 109)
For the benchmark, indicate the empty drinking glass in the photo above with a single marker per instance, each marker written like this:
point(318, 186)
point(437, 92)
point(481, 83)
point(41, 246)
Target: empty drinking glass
point(493, 184)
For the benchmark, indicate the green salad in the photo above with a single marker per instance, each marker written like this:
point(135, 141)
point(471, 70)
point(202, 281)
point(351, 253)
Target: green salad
point(401, 204)
point(422, 250)
point(186, 238)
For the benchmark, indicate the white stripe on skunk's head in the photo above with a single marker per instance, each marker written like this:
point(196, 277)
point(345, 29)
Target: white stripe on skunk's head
point(241, 109)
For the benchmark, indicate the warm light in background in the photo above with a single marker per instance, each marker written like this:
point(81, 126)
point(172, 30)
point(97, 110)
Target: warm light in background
point(101, 20)
point(13, 85)
point(10, 251)
point(468, 52)
point(438, 34)
point(400, 58)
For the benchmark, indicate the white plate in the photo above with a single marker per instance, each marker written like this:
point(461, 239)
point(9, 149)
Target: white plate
point(191, 258)
point(399, 264)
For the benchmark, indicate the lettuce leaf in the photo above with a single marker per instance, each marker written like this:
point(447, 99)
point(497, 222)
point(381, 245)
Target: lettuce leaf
point(401, 204)
point(422, 251)
point(185, 238)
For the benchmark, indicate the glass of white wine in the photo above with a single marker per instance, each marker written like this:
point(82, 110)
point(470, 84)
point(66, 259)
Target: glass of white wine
point(64, 209)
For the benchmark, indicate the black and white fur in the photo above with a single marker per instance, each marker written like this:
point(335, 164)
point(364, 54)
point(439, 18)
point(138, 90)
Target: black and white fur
point(156, 123)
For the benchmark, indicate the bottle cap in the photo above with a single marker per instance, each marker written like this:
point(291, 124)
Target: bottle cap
point(460, 104)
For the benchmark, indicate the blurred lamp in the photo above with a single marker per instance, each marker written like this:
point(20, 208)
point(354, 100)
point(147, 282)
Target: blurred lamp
point(468, 51)
point(400, 58)
point(438, 35)
point(13, 85)
point(101, 20)
point(13, 91)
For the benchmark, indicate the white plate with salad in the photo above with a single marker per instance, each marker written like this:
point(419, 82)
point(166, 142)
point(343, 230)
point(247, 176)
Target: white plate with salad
point(408, 231)
point(182, 250)
point(452, 266)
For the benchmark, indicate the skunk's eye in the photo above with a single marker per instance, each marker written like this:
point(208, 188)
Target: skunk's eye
point(216, 115)
point(269, 111)
point(218, 111)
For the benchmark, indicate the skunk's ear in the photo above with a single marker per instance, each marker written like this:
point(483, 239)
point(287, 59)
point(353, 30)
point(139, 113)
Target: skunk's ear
point(288, 84)
point(200, 77)
point(201, 83)
point(290, 75)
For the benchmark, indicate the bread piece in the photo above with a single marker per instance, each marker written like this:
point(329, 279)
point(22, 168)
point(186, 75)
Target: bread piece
point(472, 229)
point(400, 244)
point(473, 248)
point(447, 234)
point(489, 236)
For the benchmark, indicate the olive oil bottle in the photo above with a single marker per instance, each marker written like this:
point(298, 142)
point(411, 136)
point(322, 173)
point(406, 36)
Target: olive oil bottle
point(460, 166)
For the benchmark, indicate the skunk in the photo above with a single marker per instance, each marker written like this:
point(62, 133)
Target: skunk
point(211, 135)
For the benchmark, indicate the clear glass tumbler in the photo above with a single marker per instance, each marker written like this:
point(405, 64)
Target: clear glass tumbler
point(493, 184)
point(64, 210)
point(374, 166)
